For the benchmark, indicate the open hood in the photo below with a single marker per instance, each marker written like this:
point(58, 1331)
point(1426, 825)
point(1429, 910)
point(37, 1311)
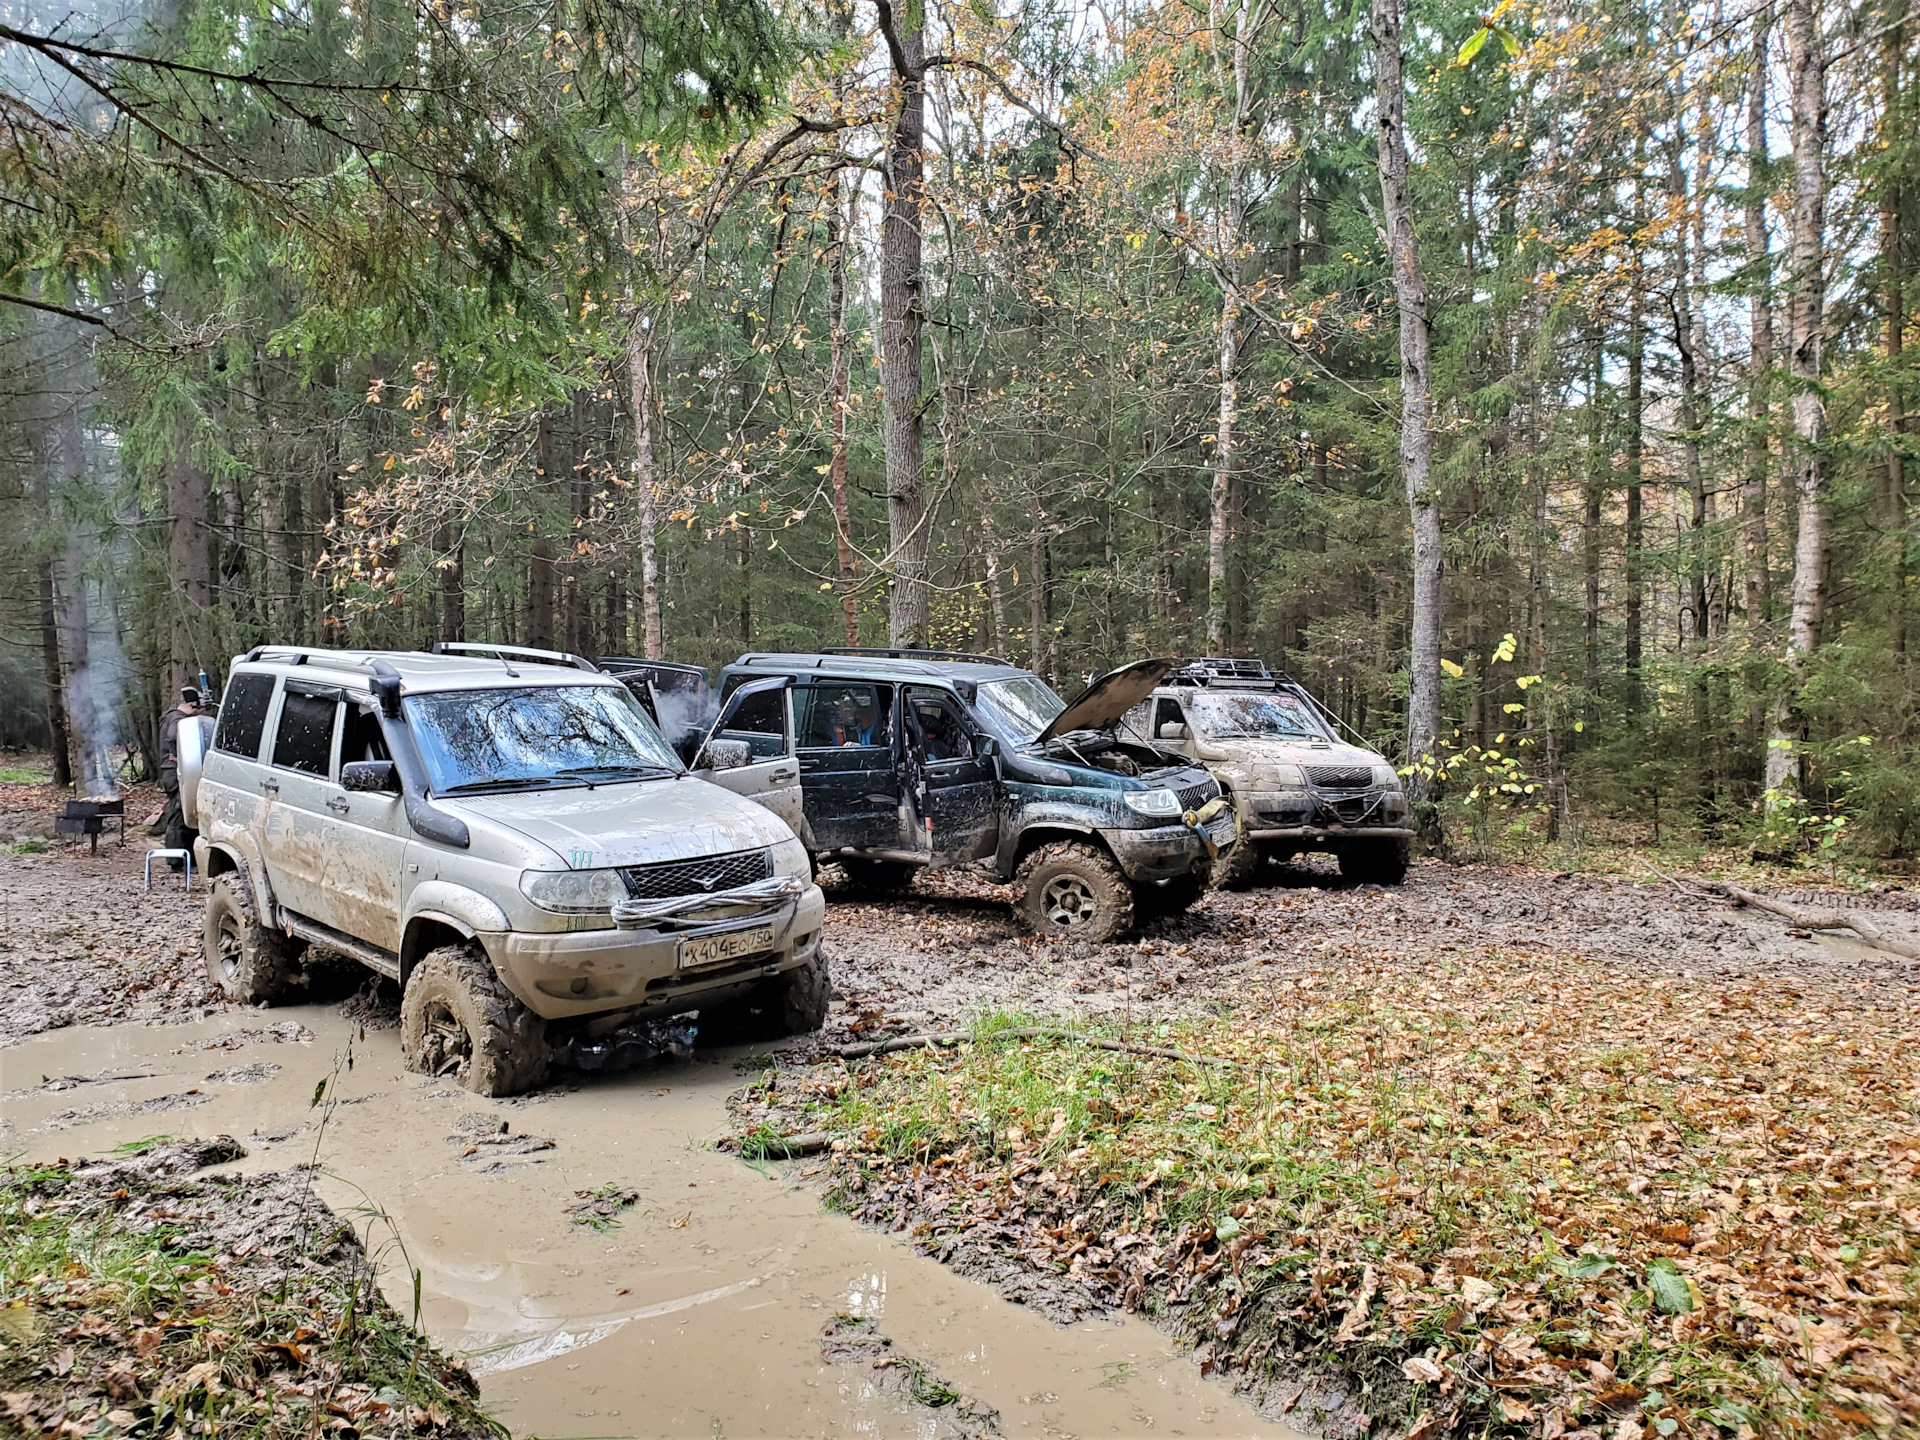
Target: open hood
point(1101, 704)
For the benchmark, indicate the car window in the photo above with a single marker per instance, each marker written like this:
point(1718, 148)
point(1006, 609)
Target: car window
point(1019, 708)
point(529, 736)
point(761, 721)
point(304, 738)
point(839, 715)
point(936, 726)
point(362, 738)
point(1139, 720)
point(1167, 712)
point(243, 715)
point(1251, 717)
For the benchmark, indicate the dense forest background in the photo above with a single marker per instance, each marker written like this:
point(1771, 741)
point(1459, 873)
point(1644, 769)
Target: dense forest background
point(1535, 386)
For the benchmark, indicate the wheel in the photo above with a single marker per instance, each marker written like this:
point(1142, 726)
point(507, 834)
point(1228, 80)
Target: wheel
point(794, 1002)
point(1173, 898)
point(1375, 862)
point(878, 877)
point(457, 1018)
point(1073, 888)
point(1238, 865)
point(249, 962)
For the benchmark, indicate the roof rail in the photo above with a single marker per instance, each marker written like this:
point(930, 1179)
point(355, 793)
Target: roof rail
point(318, 655)
point(517, 652)
point(915, 654)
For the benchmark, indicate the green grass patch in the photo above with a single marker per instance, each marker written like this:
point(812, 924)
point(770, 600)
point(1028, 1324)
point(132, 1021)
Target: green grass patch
point(125, 1312)
point(1532, 1187)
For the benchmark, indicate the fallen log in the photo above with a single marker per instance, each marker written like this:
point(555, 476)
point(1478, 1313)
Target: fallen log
point(1860, 925)
point(1020, 1032)
point(1869, 933)
point(788, 1147)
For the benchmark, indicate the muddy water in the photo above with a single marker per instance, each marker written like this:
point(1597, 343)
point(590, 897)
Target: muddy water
point(699, 1315)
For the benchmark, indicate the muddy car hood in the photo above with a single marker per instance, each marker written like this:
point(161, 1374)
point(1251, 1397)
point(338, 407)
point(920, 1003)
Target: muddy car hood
point(1288, 752)
point(1101, 704)
point(634, 824)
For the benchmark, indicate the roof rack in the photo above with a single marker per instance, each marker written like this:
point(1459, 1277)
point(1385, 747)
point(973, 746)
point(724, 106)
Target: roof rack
point(914, 654)
point(516, 652)
point(1222, 670)
point(603, 661)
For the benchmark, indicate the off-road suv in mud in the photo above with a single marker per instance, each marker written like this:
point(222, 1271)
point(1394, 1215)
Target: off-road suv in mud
point(507, 836)
point(920, 759)
point(1292, 781)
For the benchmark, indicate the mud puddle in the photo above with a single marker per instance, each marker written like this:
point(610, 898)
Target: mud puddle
point(697, 1311)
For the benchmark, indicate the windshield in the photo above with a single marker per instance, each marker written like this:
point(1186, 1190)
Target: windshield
point(475, 740)
point(1019, 708)
point(1251, 717)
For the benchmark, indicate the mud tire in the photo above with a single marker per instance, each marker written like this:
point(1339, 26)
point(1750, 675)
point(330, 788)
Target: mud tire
point(1238, 866)
point(1176, 897)
point(457, 1018)
point(252, 964)
point(1072, 890)
point(1375, 862)
point(878, 877)
point(794, 1002)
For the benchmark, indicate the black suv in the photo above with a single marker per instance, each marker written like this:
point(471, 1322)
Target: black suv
point(924, 759)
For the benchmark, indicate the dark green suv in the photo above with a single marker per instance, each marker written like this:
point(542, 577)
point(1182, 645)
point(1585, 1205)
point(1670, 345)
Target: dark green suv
point(923, 759)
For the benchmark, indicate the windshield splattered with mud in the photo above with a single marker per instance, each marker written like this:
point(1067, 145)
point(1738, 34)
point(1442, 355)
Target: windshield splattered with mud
point(477, 740)
point(1254, 717)
point(1019, 708)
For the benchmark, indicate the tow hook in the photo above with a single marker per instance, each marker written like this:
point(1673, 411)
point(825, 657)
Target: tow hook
point(1196, 821)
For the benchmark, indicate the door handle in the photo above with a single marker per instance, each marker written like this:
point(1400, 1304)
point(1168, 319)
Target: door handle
point(883, 799)
point(338, 804)
point(270, 785)
point(783, 773)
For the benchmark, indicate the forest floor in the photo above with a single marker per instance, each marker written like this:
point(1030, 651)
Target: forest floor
point(1543, 1150)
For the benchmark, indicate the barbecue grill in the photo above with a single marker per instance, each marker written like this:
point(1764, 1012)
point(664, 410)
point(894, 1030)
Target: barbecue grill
point(89, 818)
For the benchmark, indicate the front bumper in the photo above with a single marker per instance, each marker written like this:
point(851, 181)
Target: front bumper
point(1167, 852)
point(1309, 816)
point(563, 974)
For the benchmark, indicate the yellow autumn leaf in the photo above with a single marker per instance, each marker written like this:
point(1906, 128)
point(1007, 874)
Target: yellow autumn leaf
point(1452, 669)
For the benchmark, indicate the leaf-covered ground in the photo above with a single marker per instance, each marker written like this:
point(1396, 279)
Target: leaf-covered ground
point(137, 1298)
point(1508, 1190)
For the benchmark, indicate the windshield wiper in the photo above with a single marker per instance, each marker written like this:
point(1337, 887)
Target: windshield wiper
point(521, 782)
point(615, 771)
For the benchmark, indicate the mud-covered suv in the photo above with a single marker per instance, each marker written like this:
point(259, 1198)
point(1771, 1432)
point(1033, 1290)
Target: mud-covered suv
point(1293, 782)
point(922, 759)
point(507, 836)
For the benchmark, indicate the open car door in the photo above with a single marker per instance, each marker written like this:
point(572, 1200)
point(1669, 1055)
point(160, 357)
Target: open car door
point(750, 750)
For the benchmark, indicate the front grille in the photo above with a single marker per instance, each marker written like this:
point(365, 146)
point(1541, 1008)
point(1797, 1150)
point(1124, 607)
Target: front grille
point(1340, 777)
point(705, 876)
point(1351, 811)
point(1194, 796)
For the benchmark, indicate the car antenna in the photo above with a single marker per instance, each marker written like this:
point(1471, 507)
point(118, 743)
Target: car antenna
point(509, 664)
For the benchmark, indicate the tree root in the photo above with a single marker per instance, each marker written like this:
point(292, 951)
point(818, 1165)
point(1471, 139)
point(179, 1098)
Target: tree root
point(1024, 1032)
point(1869, 933)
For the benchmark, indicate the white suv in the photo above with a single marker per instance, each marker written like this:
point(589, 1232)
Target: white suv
point(506, 834)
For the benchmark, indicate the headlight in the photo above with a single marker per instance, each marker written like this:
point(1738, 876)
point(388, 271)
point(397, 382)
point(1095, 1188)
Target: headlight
point(1286, 777)
point(573, 892)
point(790, 858)
point(1385, 778)
point(1153, 802)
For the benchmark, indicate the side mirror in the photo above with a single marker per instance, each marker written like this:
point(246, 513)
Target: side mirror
point(1173, 730)
point(370, 777)
point(986, 747)
point(727, 755)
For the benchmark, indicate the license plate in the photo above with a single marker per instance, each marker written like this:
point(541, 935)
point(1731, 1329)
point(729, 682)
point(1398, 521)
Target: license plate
point(715, 949)
point(1222, 829)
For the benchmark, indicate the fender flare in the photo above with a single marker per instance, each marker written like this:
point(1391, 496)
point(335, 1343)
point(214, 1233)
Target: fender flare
point(247, 864)
point(436, 903)
point(1013, 842)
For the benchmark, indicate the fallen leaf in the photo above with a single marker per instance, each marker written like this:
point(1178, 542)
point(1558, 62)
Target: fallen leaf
point(1421, 1371)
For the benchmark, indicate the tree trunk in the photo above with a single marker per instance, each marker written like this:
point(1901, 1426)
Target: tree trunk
point(1221, 495)
point(1416, 397)
point(1753, 490)
point(1597, 463)
point(1807, 73)
point(1893, 492)
point(1632, 642)
point(838, 386)
point(186, 557)
point(540, 569)
point(900, 340)
point(639, 374)
point(452, 545)
point(60, 741)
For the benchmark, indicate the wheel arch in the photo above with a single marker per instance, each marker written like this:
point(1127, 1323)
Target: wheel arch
point(426, 932)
